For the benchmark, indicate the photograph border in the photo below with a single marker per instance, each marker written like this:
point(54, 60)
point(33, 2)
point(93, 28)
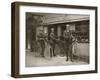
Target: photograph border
point(15, 38)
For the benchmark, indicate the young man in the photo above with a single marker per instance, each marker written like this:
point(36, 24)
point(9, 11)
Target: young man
point(52, 42)
point(41, 38)
point(68, 43)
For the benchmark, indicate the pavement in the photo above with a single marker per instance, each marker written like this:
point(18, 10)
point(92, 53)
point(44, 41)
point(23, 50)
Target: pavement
point(35, 60)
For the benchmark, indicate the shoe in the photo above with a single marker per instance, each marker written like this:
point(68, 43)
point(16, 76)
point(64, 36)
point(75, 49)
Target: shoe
point(54, 55)
point(66, 59)
point(42, 56)
point(72, 61)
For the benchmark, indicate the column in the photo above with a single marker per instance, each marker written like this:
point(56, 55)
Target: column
point(59, 31)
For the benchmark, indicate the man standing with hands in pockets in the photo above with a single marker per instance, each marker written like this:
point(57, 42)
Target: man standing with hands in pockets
point(68, 43)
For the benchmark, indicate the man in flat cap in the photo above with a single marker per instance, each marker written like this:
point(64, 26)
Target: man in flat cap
point(52, 42)
point(68, 42)
point(41, 38)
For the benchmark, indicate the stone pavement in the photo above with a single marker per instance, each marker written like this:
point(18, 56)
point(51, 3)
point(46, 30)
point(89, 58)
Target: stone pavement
point(34, 61)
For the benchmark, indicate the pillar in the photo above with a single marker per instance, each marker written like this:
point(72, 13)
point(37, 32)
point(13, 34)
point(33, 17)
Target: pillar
point(59, 31)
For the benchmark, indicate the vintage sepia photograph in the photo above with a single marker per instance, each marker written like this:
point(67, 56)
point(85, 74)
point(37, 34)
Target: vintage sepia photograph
point(56, 39)
point(52, 39)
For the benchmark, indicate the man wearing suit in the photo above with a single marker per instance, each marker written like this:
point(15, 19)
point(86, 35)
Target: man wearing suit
point(41, 38)
point(52, 42)
point(68, 43)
